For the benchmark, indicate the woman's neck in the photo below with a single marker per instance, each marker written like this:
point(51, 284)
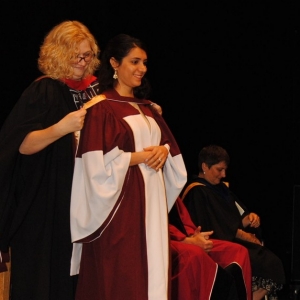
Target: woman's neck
point(124, 91)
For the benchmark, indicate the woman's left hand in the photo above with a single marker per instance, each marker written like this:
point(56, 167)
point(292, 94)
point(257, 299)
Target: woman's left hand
point(254, 220)
point(157, 157)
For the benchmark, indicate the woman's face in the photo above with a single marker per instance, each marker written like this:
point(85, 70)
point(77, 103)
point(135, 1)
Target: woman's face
point(82, 60)
point(132, 69)
point(215, 173)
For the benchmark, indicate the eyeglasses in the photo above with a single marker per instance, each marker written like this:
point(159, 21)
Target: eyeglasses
point(87, 57)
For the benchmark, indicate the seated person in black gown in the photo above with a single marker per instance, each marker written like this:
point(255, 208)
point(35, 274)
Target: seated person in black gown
point(204, 268)
point(213, 206)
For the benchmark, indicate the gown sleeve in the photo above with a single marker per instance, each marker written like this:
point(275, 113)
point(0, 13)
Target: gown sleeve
point(211, 213)
point(174, 170)
point(100, 171)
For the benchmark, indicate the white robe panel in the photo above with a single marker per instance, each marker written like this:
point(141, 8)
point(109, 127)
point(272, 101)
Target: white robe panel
point(156, 205)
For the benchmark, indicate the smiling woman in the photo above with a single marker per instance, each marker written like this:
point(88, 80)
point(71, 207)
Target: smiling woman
point(128, 173)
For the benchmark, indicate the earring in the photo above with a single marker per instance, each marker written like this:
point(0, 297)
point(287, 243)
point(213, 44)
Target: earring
point(204, 172)
point(115, 76)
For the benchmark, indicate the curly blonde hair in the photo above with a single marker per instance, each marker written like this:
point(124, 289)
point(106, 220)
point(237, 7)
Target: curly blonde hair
point(60, 46)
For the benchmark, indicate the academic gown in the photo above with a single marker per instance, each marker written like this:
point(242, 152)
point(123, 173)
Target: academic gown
point(119, 213)
point(35, 195)
point(194, 272)
point(213, 207)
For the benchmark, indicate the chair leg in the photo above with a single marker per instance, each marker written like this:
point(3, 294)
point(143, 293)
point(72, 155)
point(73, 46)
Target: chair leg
point(5, 284)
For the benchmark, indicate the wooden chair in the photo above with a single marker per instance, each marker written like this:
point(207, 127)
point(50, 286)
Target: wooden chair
point(5, 283)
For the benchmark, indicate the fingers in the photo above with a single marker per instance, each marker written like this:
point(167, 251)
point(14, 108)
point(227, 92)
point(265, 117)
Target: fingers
point(157, 107)
point(83, 110)
point(160, 163)
point(81, 120)
point(158, 158)
point(74, 121)
point(206, 235)
point(208, 246)
point(155, 164)
point(198, 229)
point(254, 220)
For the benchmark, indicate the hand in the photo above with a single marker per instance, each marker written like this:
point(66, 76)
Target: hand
point(247, 236)
point(157, 157)
point(157, 108)
point(254, 220)
point(200, 239)
point(72, 122)
point(252, 238)
point(37, 140)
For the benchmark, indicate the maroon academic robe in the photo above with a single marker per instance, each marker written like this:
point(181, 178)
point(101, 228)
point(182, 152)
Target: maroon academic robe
point(119, 213)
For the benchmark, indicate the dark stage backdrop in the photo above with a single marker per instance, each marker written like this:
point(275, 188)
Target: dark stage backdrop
point(225, 72)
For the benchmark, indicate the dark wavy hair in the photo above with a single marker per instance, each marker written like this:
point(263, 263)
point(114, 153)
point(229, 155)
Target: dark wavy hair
point(119, 47)
point(211, 155)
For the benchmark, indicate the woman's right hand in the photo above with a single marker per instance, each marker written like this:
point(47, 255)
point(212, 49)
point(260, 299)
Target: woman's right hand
point(36, 141)
point(157, 156)
point(72, 122)
point(200, 239)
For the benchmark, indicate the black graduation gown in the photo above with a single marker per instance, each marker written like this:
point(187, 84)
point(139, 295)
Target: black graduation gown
point(213, 208)
point(35, 196)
